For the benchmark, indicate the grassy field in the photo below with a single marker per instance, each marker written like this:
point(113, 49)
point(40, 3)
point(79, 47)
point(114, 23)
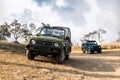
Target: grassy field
point(21, 47)
point(111, 45)
point(12, 47)
point(15, 66)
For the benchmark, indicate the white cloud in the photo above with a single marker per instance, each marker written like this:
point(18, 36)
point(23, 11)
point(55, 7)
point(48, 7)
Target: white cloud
point(1, 9)
point(100, 18)
point(60, 3)
point(45, 14)
point(16, 6)
point(27, 11)
point(15, 9)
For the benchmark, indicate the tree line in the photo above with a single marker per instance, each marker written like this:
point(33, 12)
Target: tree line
point(95, 35)
point(26, 31)
point(18, 30)
point(118, 40)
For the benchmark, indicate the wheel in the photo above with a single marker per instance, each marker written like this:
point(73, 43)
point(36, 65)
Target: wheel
point(30, 55)
point(83, 51)
point(92, 52)
point(61, 57)
point(54, 56)
point(66, 57)
point(89, 51)
point(99, 51)
point(67, 54)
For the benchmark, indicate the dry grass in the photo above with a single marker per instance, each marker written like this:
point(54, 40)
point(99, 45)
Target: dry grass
point(76, 48)
point(20, 48)
point(12, 47)
point(111, 45)
point(80, 66)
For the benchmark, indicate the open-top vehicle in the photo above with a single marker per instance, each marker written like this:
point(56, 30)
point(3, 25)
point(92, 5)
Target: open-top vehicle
point(54, 41)
point(90, 47)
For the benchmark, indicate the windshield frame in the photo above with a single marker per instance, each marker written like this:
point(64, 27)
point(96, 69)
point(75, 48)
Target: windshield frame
point(52, 29)
point(92, 43)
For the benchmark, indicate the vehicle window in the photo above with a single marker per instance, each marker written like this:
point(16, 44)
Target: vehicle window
point(53, 32)
point(92, 43)
point(68, 33)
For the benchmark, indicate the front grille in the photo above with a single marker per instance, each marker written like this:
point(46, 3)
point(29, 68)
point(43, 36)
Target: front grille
point(43, 43)
point(43, 49)
point(95, 47)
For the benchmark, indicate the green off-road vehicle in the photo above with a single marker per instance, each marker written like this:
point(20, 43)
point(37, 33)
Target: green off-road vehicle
point(52, 42)
point(90, 47)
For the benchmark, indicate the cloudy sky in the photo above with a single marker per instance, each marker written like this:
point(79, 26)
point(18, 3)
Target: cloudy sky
point(81, 16)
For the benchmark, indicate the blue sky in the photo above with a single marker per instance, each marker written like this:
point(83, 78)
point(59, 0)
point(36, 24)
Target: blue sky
point(81, 16)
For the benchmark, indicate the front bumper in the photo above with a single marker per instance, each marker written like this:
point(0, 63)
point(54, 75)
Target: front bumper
point(95, 49)
point(43, 50)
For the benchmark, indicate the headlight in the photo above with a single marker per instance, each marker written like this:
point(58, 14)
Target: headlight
point(33, 41)
point(56, 44)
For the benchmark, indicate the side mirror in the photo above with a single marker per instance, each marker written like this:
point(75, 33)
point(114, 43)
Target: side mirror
point(67, 38)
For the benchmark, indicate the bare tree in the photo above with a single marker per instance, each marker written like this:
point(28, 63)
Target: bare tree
point(39, 28)
point(32, 27)
point(90, 35)
point(16, 30)
point(118, 40)
point(28, 30)
point(4, 32)
point(94, 35)
point(43, 24)
point(99, 33)
point(86, 36)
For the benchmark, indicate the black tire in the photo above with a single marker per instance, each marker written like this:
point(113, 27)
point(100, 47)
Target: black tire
point(30, 55)
point(61, 57)
point(88, 51)
point(92, 52)
point(99, 51)
point(66, 57)
point(67, 54)
point(54, 56)
point(84, 52)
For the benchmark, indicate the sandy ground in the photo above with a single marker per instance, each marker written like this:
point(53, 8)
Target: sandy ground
point(105, 66)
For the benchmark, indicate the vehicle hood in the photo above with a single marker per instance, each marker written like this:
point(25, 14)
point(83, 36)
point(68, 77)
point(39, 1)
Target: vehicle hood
point(47, 38)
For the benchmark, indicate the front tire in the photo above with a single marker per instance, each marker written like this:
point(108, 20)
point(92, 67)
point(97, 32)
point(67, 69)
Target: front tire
point(99, 51)
point(89, 51)
point(67, 57)
point(61, 57)
point(30, 55)
point(83, 52)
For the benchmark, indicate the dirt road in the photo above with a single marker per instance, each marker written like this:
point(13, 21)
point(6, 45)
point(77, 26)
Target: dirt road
point(105, 66)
